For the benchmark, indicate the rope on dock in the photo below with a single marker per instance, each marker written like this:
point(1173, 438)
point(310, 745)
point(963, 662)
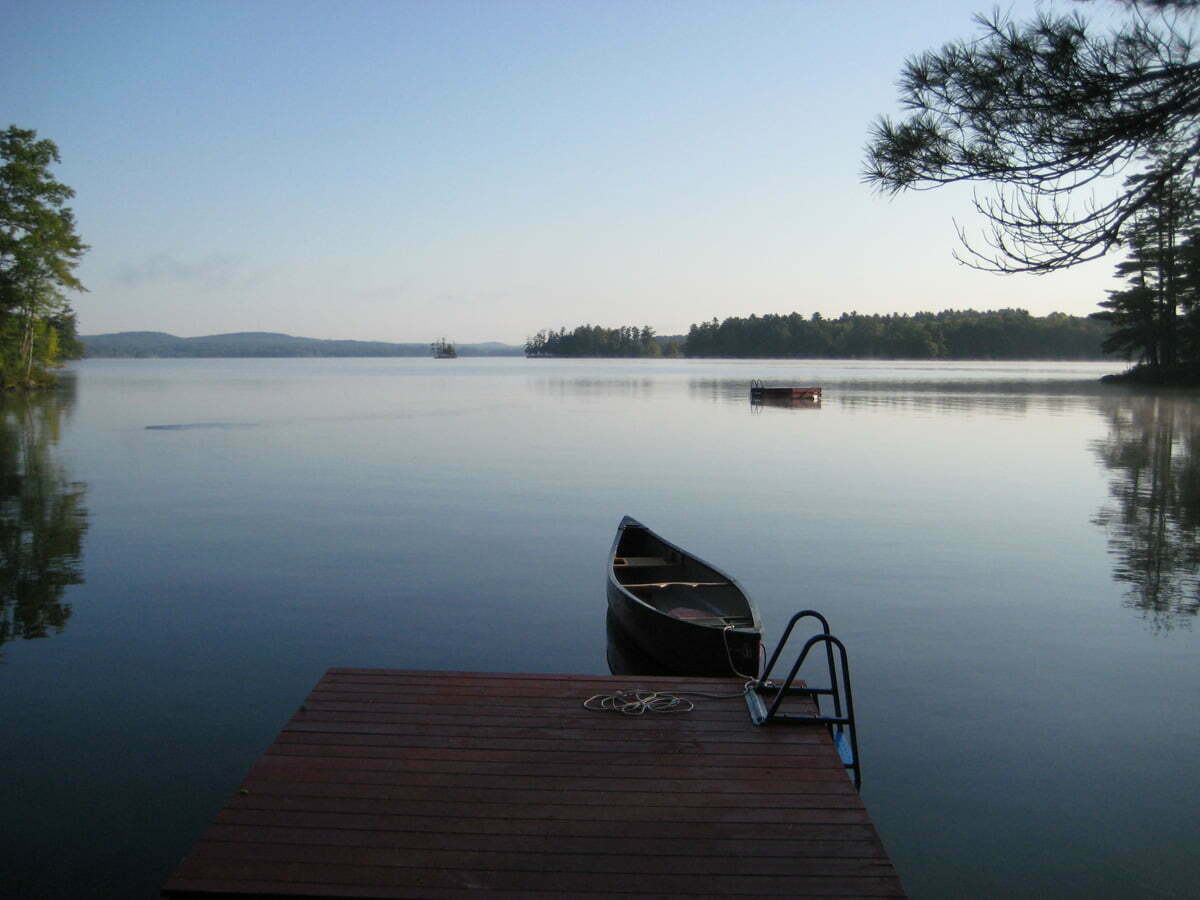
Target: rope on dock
point(637, 702)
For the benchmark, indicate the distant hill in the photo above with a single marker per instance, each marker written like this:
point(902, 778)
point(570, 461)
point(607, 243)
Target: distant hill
point(151, 344)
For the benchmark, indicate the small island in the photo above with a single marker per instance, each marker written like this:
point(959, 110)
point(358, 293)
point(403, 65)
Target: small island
point(443, 349)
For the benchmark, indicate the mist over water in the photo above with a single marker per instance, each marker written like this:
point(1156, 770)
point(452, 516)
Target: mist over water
point(1008, 551)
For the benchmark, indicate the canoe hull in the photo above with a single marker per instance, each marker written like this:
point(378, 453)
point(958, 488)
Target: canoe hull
point(687, 615)
point(626, 657)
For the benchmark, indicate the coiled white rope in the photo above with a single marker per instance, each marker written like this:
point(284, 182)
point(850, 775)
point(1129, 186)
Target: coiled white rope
point(639, 701)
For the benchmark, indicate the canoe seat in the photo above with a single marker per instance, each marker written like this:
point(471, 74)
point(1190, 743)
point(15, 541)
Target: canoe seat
point(639, 561)
point(696, 616)
point(701, 603)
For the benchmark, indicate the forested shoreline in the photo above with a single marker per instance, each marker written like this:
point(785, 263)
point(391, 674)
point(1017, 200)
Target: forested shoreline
point(950, 334)
point(624, 342)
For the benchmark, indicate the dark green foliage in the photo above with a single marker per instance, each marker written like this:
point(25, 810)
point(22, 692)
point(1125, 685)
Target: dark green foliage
point(1153, 318)
point(1189, 323)
point(628, 341)
point(1042, 113)
point(952, 334)
point(1132, 315)
point(39, 251)
point(66, 328)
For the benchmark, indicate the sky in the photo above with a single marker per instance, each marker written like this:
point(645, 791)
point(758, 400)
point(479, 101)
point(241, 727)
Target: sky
point(403, 171)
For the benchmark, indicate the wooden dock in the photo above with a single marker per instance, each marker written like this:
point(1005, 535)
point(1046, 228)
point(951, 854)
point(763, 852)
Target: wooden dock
point(437, 784)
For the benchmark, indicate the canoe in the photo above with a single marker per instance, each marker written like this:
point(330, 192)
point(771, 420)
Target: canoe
point(685, 613)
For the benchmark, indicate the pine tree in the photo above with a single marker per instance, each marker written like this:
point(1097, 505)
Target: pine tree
point(1148, 317)
point(1039, 114)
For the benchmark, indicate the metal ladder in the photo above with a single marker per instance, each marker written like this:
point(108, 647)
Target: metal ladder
point(764, 697)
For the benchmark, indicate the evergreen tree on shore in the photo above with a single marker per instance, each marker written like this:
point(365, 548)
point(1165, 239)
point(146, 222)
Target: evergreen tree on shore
point(1151, 317)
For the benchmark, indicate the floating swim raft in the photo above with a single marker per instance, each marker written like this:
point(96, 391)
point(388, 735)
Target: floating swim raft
point(759, 391)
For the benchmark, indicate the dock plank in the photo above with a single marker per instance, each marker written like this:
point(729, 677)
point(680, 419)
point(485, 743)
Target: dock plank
point(389, 783)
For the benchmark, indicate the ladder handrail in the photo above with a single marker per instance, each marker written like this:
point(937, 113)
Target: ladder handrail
point(805, 613)
point(841, 727)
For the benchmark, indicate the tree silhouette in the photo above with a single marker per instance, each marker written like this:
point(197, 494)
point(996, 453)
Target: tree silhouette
point(1041, 114)
point(1145, 316)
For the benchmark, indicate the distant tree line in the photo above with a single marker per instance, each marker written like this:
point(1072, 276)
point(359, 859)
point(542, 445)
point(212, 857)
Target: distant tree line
point(626, 341)
point(952, 334)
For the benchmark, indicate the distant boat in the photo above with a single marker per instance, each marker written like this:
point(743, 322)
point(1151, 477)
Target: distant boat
point(686, 614)
point(442, 349)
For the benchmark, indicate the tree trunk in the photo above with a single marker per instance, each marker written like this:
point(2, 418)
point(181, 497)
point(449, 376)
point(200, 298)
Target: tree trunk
point(27, 346)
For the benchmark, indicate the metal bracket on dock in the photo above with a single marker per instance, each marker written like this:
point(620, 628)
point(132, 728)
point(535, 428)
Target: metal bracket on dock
point(764, 697)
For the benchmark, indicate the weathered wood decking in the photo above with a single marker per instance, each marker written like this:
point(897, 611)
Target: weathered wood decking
point(434, 784)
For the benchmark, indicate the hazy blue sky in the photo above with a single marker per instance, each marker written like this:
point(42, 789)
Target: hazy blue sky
point(480, 170)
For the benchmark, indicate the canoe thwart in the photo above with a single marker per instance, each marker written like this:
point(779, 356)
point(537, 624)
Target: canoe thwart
point(639, 561)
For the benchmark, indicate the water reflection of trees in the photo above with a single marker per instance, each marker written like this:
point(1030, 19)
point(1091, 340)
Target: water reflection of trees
point(42, 517)
point(1153, 517)
point(586, 386)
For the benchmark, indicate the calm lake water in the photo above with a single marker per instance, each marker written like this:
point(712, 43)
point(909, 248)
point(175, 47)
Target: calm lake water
point(1009, 551)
